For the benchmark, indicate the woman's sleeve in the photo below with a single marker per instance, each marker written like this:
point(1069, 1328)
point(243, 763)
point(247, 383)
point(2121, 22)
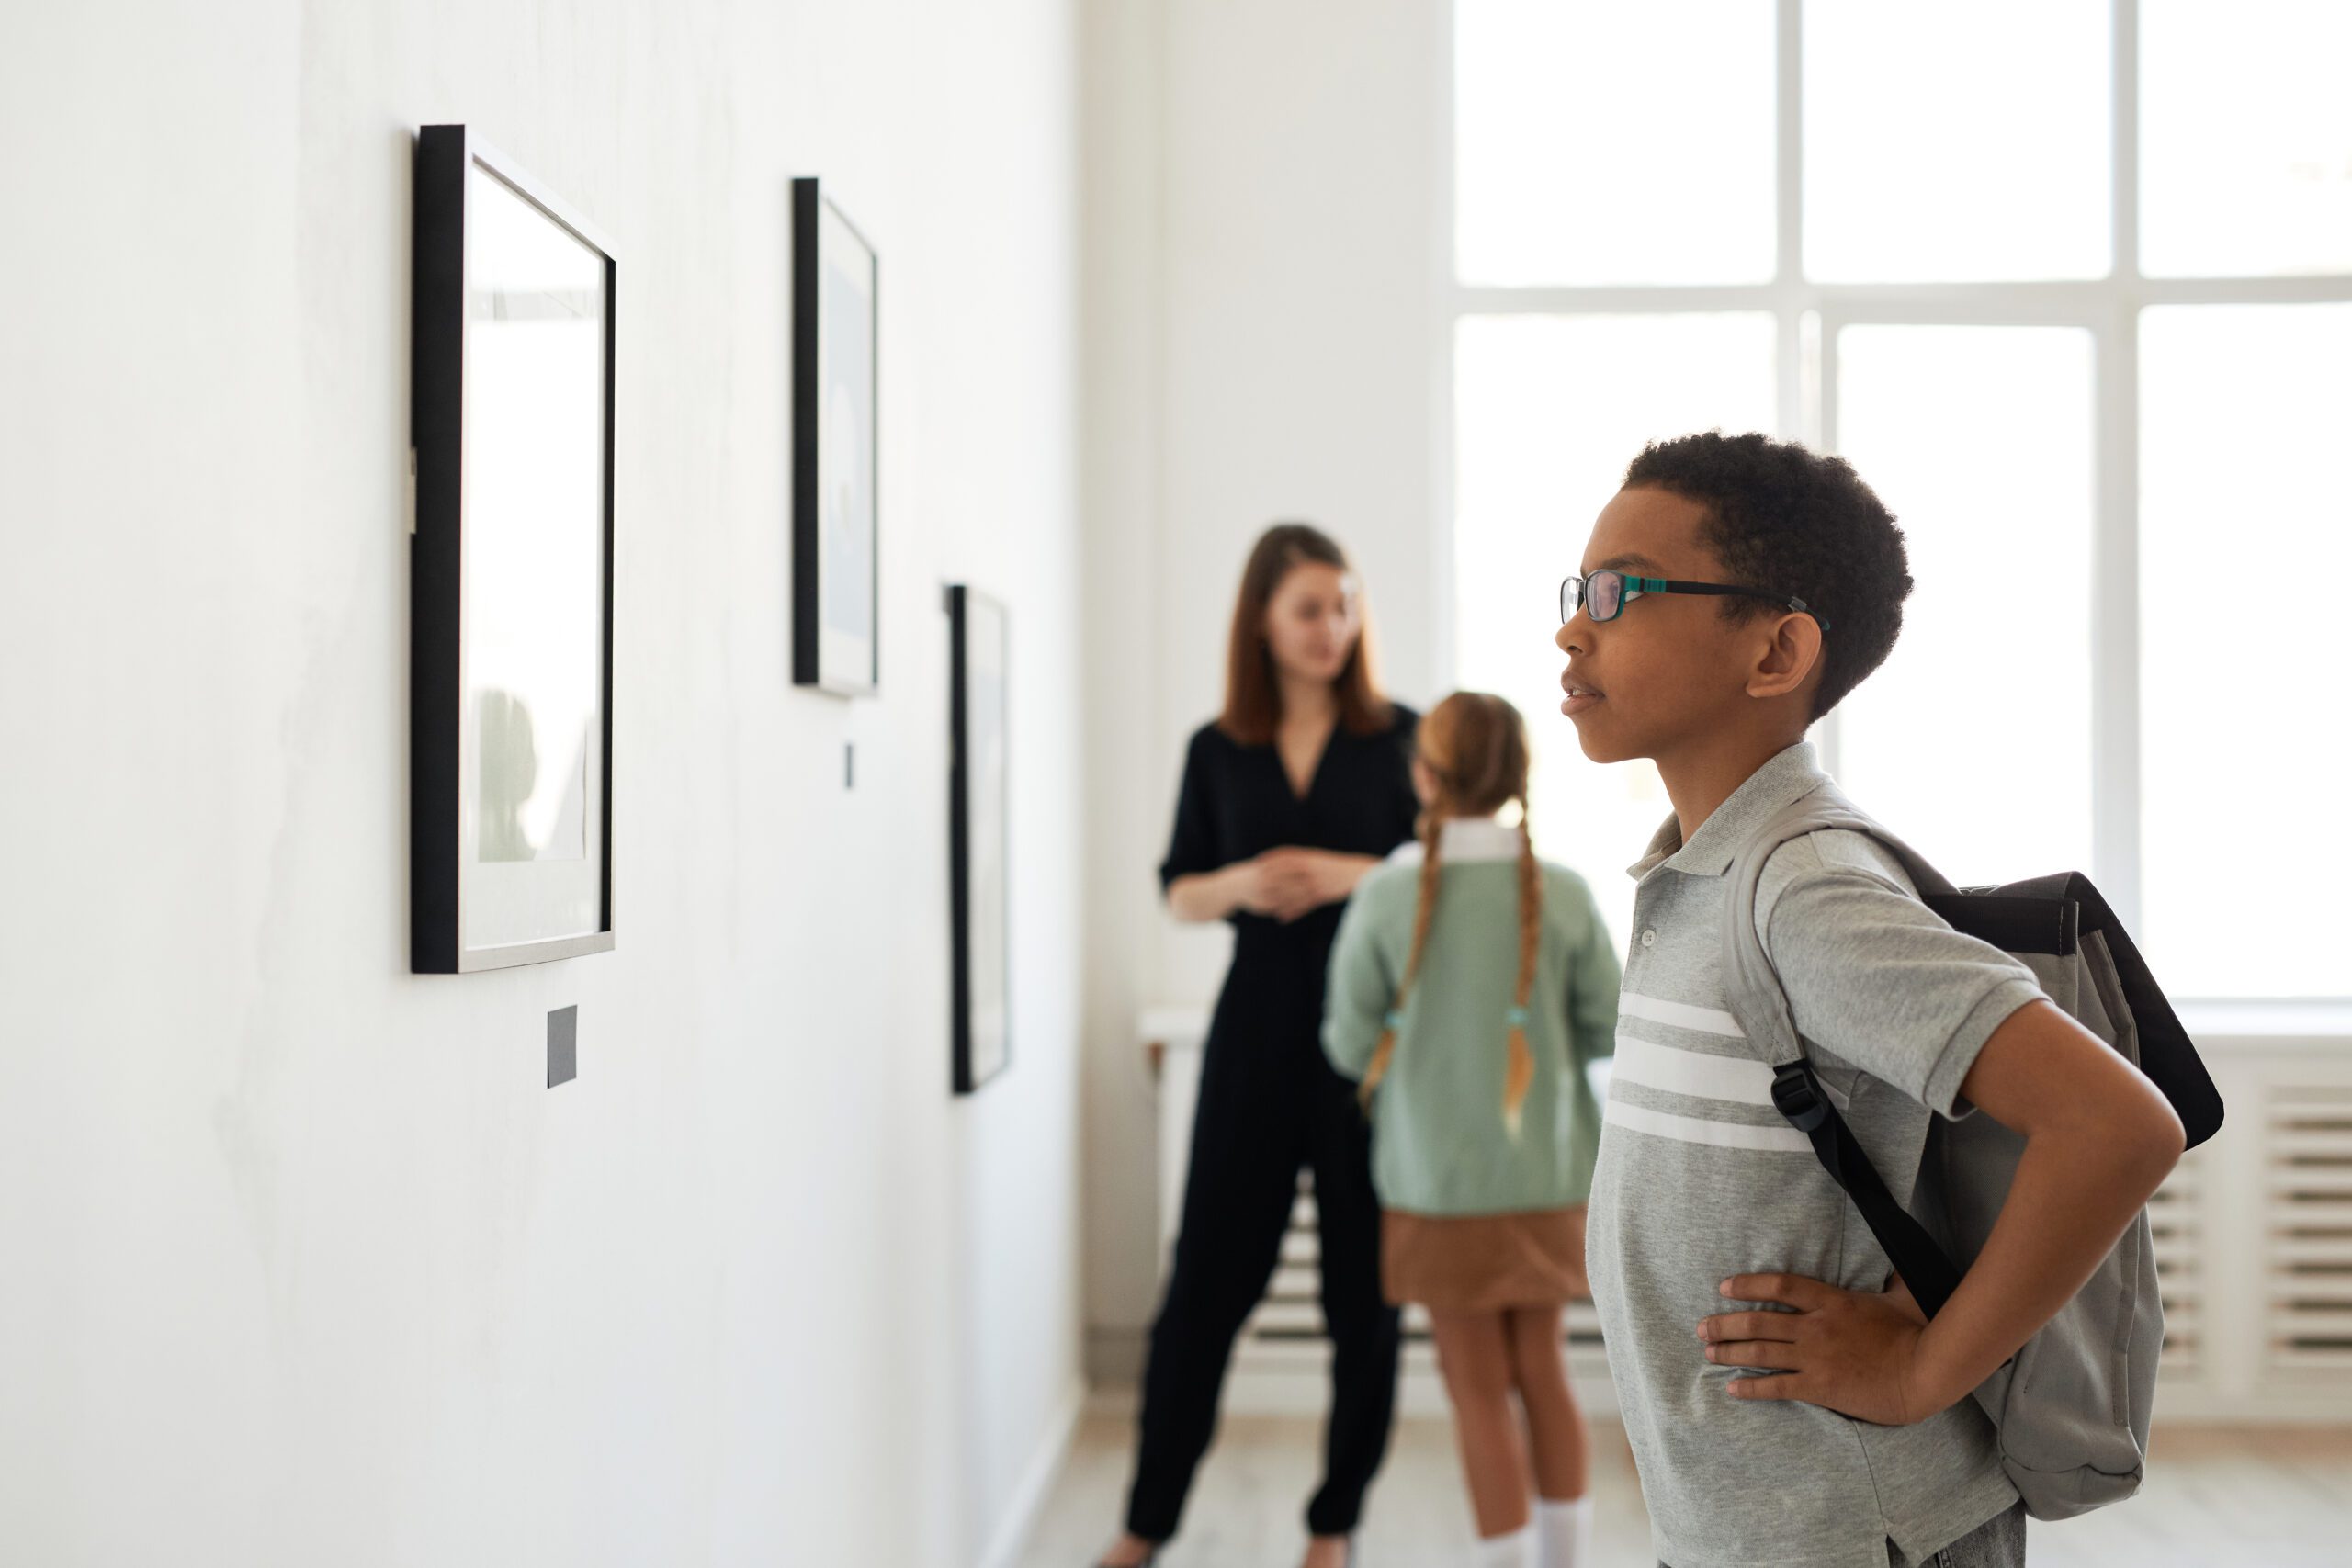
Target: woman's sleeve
point(1594, 977)
point(1355, 1001)
point(1192, 846)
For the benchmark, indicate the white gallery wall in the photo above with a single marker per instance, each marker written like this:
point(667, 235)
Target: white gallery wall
point(301, 1263)
point(1261, 264)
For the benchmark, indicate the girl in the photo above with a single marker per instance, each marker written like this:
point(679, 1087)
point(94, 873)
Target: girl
point(1289, 798)
point(1471, 984)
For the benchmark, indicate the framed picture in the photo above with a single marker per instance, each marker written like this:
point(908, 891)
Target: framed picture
point(978, 888)
point(836, 598)
point(511, 610)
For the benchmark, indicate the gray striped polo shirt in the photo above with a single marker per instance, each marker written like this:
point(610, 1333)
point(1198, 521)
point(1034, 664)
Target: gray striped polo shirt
point(1700, 1178)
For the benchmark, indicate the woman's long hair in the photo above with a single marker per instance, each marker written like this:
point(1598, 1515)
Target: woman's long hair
point(1474, 746)
point(1252, 695)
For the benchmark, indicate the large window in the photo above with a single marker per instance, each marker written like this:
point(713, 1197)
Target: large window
point(2070, 283)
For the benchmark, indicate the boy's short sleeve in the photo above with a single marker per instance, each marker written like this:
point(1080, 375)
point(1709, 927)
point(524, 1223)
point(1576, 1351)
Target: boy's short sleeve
point(1876, 976)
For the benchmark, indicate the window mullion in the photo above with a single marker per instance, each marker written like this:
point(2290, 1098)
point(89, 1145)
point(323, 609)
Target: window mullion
point(1831, 732)
point(2123, 135)
point(1788, 270)
point(2115, 618)
point(2116, 846)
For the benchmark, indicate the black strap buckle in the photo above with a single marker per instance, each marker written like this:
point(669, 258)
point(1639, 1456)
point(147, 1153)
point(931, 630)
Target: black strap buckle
point(1798, 1097)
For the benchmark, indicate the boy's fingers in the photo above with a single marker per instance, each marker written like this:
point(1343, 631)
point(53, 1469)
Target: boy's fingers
point(1793, 1290)
point(1753, 1353)
point(1731, 1325)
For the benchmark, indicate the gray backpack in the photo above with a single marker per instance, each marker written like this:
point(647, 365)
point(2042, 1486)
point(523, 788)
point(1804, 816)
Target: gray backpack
point(2072, 1405)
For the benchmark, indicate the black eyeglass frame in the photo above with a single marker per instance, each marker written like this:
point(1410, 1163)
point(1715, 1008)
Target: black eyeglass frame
point(1573, 595)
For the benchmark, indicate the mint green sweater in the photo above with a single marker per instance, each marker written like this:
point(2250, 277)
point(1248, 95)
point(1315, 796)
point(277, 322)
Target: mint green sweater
point(1439, 1146)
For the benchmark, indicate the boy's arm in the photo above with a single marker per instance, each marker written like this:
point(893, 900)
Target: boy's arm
point(1355, 1006)
point(2098, 1138)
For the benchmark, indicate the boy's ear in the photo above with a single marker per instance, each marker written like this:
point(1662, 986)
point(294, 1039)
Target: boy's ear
point(1789, 658)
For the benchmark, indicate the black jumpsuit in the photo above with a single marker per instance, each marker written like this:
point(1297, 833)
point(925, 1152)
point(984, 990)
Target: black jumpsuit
point(1268, 1104)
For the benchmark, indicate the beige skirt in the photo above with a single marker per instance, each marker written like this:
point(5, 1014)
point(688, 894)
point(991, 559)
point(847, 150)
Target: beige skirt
point(1483, 1262)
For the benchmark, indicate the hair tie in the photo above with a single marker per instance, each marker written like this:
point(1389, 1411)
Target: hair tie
point(1516, 1018)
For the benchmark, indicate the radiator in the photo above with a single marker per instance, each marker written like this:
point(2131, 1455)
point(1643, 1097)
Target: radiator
point(2252, 1237)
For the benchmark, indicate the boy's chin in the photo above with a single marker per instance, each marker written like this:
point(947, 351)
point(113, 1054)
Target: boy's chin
point(1598, 745)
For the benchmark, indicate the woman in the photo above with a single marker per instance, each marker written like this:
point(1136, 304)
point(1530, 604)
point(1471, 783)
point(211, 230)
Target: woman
point(1301, 787)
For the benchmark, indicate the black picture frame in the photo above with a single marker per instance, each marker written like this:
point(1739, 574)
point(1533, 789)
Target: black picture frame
point(979, 835)
point(506, 536)
point(836, 450)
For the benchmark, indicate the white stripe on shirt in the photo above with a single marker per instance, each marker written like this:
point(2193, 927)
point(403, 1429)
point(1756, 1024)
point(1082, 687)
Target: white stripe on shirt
point(1691, 1130)
point(1682, 1015)
point(1743, 1080)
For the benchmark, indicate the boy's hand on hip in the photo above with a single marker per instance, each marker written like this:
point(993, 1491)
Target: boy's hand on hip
point(1851, 1352)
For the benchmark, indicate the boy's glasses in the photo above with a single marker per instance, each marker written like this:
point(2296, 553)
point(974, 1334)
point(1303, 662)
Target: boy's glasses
point(1604, 594)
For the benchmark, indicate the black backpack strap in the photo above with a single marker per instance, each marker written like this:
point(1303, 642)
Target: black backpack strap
point(1797, 1095)
point(1755, 998)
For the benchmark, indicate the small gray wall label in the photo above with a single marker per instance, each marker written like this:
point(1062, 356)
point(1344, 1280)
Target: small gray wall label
point(563, 1046)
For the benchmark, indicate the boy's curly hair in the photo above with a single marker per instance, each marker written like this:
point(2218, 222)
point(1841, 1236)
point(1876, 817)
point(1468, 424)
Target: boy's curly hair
point(1794, 522)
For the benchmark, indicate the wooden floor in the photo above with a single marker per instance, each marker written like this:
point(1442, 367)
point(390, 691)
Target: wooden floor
point(2216, 1498)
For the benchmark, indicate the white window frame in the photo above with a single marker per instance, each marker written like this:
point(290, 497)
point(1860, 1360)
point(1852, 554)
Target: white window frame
point(1807, 316)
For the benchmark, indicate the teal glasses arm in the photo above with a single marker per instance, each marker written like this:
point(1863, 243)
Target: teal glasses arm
point(1636, 586)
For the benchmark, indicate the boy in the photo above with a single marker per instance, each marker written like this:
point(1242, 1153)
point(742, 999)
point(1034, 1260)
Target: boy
point(1786, 1402)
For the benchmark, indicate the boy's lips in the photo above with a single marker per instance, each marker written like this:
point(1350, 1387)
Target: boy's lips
point(1582, 695)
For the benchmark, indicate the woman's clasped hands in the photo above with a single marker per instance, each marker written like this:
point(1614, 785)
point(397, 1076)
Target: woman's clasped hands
point(1290, 883)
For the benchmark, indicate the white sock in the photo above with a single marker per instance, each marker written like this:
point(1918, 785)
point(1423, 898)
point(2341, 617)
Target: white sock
point(1565, 1532)
point(1516, 1550)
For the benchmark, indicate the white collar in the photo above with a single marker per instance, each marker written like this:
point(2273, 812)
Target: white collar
point(1465, 840)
